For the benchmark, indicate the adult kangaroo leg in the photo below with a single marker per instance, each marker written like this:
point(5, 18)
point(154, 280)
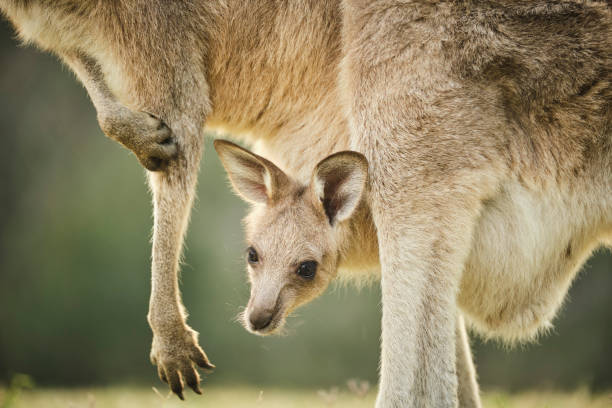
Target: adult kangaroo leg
point(433, 160)
point(423, 245)
point(466, 374)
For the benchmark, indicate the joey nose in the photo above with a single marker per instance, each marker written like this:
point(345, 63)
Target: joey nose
point(260, 319)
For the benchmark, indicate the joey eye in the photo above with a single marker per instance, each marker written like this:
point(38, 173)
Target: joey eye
point(252, 256)
point(307, 269)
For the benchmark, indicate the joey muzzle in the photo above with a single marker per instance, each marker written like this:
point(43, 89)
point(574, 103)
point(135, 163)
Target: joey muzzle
point(263, 308)
point(260, 319)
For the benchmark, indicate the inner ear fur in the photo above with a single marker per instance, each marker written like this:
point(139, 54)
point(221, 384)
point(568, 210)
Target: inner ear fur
point(339, 182)
point(253, 178)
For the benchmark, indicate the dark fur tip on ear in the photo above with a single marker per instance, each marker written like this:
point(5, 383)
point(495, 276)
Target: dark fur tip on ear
point(343, 160)
point(339, 182)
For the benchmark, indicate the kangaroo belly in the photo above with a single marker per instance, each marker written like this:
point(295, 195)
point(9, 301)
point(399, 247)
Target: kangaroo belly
point(528, 246)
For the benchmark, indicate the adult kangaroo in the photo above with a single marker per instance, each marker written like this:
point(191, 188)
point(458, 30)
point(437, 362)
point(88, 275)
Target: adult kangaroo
point(453, 104)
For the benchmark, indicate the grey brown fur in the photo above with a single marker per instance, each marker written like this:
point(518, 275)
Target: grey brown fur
point(481, 122)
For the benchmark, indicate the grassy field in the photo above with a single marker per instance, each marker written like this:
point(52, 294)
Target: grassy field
point(240, 397)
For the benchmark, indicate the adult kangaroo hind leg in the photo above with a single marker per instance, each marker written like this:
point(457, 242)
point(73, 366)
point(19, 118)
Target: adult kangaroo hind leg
point(432, 163)
point(424, 233)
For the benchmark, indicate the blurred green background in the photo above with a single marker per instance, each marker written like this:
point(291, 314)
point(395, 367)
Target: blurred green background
point(75, 225)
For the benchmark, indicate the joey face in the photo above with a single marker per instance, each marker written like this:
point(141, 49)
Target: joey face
point(292, 230)
point(291, 259)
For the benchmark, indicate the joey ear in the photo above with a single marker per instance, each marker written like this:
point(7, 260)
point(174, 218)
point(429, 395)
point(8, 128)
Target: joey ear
point(339, 182)
point(254, 178)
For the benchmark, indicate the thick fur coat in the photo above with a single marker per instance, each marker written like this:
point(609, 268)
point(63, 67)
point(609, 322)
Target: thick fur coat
point(486, 127)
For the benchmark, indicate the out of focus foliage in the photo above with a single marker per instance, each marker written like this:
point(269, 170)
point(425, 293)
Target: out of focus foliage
point(75, 225)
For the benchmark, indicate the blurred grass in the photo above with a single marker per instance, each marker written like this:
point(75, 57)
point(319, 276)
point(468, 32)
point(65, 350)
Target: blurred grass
point(238, 397)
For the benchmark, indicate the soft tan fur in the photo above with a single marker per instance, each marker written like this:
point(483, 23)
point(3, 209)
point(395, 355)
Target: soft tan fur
point(486, 126)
